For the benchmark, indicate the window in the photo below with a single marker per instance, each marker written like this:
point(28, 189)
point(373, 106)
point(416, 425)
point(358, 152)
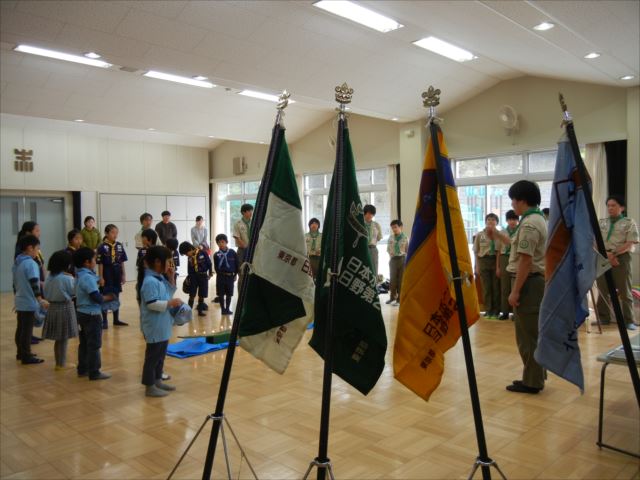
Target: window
point(372, 185)
point(231, 196)
point(483, 184)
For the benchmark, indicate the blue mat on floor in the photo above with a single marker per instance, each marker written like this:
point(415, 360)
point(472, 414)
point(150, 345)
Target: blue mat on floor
point(193, 346)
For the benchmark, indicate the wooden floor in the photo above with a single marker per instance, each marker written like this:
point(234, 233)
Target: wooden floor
point(55, 425)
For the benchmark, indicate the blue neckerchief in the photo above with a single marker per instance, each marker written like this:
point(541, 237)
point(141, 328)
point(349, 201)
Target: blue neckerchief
point(224, 258)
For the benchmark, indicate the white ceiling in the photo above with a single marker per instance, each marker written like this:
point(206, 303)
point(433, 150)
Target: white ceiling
point(273, 45)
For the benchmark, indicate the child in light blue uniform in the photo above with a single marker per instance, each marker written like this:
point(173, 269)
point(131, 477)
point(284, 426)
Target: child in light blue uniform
point(156, 280)
point(89, 302)
point(60, 323)
point(26, 285)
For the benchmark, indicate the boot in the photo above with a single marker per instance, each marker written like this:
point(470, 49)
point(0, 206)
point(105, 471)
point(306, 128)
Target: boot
point(227, 305)
point(201, 309)
point(190, 302)
point(105, 322)
point(202, 302)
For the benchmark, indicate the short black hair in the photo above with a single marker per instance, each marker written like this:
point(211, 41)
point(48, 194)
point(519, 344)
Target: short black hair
point(150, 234)
point(492, 215)
point(511, 215)
point(72, 234)
point(145, 216)
point(526, 191)
point(314, 220)
point(396, 222)
point(87, 218)
point(185, 247)
point(198, 218)
point(83, 255)
point(59, 262)
point(28, 241)
point(221, 236)
point(246, 207)
point(172, 243)
point(109, 227)
point(369, 209)
point(619, 199)
point(165, 213)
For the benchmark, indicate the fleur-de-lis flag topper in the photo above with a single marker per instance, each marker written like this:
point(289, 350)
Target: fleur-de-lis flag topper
point(431, 97)
point(344, 94)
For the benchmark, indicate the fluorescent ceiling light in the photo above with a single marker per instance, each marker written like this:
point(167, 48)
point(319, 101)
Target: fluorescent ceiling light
point(93, 55)
point(200, 78)
point(445, 49)
point(356, 13)
point(262, 96)
point(592, 55)
point(394, 119)
point(79, 120)
point(210, 136)
point(178, 79)
point(61, 56)
point(151, 129)
point(627, 77)
point(541, 27)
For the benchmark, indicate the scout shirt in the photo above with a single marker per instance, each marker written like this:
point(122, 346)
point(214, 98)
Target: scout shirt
point(200, 263)
point(530, 239)
point(397, 245)
point(375, 232)
point(241, 231)
point(483, 246)
point(618, 231)
point(506, 247)
point(313, 242)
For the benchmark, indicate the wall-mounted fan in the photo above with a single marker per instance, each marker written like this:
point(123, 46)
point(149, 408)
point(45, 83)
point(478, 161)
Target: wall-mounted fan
point(508, 119)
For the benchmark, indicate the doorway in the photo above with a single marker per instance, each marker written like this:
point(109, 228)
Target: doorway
point(49, 212)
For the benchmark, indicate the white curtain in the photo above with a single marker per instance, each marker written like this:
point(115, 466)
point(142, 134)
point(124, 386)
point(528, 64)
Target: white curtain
point(392, 191)
point(596, 163)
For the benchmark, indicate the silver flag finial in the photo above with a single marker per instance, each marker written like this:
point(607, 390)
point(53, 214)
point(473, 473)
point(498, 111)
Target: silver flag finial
point(566, 116)
point(283, 100)
point(431, 99)
point(343, 94)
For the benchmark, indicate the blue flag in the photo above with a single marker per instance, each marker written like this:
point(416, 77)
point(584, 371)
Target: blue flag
point(570, 270)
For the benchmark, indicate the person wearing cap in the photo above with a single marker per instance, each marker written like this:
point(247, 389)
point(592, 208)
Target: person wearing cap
point(620, 234)
point(166, 229)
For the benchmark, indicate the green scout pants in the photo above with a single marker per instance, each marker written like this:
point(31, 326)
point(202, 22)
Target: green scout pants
point(505, 285)
point(622, 282)
point(526, 324)
point(396, 270)
point(490, 284)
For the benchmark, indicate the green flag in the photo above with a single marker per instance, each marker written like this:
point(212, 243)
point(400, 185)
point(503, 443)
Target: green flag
point(279, 300)
point(359, 337)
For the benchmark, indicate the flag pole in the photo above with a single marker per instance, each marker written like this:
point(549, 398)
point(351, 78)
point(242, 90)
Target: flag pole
point(260, 211)
point(431, 100)
point(582, 171)
point(322, 461)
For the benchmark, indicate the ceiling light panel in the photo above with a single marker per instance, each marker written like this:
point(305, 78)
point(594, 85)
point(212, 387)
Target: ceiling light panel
point(262, 96)
point(43, 52)
point(544, 26)
point(445, 49)
point(357, 13)
point(178, 79)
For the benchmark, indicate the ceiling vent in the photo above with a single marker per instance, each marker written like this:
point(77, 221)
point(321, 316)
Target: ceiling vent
point(128, 69)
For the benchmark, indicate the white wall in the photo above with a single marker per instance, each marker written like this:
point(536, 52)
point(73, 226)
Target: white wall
point(633, 165)
point(70, 162)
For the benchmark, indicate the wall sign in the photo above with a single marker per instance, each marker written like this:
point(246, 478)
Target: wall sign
point(23, 161)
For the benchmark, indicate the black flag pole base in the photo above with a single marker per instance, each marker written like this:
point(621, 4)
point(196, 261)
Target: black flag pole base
point(325, 465)
point(222, 420)
point(485, 464)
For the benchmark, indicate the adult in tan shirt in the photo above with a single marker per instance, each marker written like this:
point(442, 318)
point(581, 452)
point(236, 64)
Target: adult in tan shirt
point(526, 267)
point(620, 234)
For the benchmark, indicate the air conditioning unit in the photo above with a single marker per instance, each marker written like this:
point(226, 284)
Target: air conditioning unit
point(239, 165)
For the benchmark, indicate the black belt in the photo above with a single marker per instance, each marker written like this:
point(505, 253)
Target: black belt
point(226, 274)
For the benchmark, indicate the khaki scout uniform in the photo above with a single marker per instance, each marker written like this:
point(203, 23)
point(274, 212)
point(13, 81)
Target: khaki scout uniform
point(505, 278)
point(314, 244)
point(485, 250)
point(530, 239)
point(241, 231)
point(616, 234)
point(397, 250)
point(375, 235)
